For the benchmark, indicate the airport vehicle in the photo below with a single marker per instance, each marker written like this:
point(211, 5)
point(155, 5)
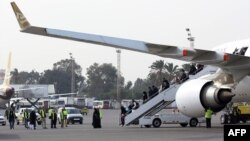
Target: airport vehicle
point(20, 116)
point(67, 100)
point(98, 104)
point(2, 120)
point(236, 115)
point(170, 118)
point(215, 91)
point(84, 111)
point(73, 116)
point(107, 104)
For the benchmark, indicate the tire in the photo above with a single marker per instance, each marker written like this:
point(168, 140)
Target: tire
point(229, 119)
point(156, 123)
point(80, 122)
point(39, 122)
point(183, 124)
point(244, 120)
point(224, 119)
point(147, 126)
point(73, 122)
point(193, 122)
point(17, 122)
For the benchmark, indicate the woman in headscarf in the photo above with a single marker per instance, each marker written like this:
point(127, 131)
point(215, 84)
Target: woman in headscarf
point(96, 119)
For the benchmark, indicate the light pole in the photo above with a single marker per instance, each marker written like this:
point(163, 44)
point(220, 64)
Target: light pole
point(190, 38)
point(118, 51)
point(72, 74)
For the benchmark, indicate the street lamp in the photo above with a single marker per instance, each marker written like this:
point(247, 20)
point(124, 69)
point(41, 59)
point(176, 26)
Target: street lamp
point(72, 74)
point(118, 90)
point(190, 38)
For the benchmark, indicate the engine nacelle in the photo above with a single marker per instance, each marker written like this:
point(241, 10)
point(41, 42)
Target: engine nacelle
point(194, 96)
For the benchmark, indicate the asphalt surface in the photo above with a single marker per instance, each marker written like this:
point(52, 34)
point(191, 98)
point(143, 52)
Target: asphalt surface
point(111, 131)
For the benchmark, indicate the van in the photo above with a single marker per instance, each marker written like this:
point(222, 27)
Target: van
point(73, 116)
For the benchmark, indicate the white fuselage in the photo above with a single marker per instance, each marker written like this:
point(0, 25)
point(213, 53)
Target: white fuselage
point(242, 89)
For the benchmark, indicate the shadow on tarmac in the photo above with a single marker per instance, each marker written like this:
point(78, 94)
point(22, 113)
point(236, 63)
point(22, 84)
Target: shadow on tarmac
point(9, 137)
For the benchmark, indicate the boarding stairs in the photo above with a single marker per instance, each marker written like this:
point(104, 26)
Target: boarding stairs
point(163, 99)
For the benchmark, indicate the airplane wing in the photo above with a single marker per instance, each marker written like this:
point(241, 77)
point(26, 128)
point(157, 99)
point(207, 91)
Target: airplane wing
point(223, 60)
point(63, 94)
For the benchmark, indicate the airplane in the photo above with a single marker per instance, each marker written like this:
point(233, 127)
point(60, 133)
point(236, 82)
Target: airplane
point(6, 91)
point(228, 84)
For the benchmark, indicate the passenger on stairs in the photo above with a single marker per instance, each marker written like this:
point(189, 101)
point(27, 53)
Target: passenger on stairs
point(123, 114)
point(150, 92)
point(165, 84)
point(199, 67)
point(130, 107)
point(155, 91)
point(136, 104)
point(144, 97)
point(192, 70)
point(183, 76)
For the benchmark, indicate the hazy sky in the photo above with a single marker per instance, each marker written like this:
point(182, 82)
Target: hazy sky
point(212, 22)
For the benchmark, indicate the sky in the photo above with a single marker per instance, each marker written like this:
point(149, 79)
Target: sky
point(211, 22)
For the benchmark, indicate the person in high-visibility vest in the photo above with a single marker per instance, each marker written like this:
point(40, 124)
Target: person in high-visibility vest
point(53, 118)
point(50, 111)
point(63, 116)
point(43, 117)
point(208, 116)
point(26, 116)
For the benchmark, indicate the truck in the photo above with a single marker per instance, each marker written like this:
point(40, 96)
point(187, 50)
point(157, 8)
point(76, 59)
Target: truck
point(79, 102)
point(89, 102)
point(69, 101)
point(237, 114)
point(170, 118)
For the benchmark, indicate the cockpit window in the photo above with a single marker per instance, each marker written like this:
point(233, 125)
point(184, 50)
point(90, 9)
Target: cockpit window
point(243, 50)
point(240, 51)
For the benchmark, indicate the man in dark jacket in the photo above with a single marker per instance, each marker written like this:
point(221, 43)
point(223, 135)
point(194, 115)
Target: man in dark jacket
point(53, 118)
point(12, 117)
point(123, 114)
point(165, 84)
point(33, 119)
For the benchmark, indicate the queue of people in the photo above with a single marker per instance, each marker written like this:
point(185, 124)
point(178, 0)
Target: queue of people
point(153, 90)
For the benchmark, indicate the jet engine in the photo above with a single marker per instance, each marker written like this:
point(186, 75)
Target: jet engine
point(194, 96)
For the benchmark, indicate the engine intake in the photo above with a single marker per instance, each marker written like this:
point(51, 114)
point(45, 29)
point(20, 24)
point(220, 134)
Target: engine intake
point(215, 98)
point(194, 96)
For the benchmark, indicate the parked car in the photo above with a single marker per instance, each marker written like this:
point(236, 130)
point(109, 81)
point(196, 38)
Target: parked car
point(2, 120)
point(73, 116)
point(20, 112)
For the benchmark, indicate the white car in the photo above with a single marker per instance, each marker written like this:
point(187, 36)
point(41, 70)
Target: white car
point(74, 115)
point(170, 118)
point(2, 120)
point(20, 119)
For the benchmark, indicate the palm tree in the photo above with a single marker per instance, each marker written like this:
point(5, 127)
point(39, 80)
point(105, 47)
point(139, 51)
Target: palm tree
point(157, 71)
point(171, 70)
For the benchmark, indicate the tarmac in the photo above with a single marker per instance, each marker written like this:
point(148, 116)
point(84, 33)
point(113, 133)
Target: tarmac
point(111, 131)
